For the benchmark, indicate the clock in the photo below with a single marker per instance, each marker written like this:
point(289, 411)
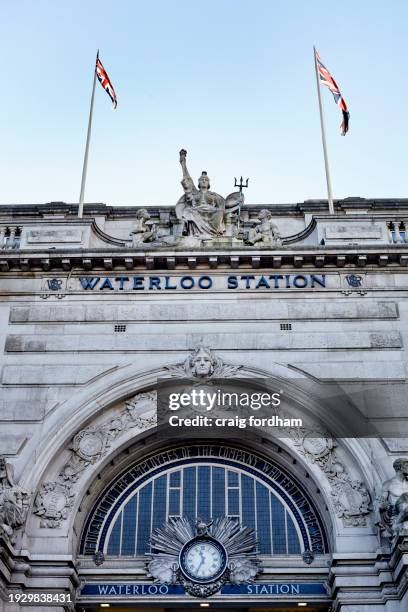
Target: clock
point(203, 559)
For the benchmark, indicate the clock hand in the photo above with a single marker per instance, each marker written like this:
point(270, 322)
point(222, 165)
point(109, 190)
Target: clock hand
point(202, 560)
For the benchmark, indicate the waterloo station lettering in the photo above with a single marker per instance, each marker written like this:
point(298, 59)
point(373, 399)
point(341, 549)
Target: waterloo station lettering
point(188, 282)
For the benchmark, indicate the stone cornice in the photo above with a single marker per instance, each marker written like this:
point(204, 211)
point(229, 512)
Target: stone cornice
point(67, 210)
point(379, 256)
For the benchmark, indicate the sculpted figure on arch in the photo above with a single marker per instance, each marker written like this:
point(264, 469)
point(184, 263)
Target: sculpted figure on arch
point(204, 212)
point(393, 502)
point(14, 502)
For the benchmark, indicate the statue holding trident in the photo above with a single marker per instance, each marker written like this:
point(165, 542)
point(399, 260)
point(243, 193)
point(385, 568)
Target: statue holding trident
point(204, 212)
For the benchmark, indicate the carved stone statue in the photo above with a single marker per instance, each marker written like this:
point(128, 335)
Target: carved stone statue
point(264, 231)
point(202, 364)
point(144, 230)
point(14, 502)
point(393, 502)
point(201, 527)
point(203, 212)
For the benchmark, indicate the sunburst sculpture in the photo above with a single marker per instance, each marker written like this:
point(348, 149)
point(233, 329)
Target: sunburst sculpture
point(203, 556)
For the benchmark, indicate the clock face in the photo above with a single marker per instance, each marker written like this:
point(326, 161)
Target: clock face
point(203, 559)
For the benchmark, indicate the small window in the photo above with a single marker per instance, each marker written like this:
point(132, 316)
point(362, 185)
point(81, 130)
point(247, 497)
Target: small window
point(286, 326)
point(120, 328)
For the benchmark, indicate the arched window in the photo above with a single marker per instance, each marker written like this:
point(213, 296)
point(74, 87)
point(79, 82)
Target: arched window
point(259, 495)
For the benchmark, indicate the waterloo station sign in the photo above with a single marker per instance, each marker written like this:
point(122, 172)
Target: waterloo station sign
point(265, 281)
point(245, 281)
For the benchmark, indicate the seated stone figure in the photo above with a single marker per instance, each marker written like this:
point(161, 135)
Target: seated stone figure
point(203, 211)
point(264, 231)
point(144, 230)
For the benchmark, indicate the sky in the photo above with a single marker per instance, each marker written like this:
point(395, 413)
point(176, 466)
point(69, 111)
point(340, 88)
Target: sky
point(231, 81)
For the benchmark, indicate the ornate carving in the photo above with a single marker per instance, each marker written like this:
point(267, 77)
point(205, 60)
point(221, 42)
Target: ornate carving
point(88, 447)
point(99, 558)
point(308, 556)
point(204, 213)
point(239, 542)
point(89, 444)
point(144, 229)
point(392, 504)
point(264, 231)
point(351, 499)
point(14, 502)
point(53, 502)
point(202, 364)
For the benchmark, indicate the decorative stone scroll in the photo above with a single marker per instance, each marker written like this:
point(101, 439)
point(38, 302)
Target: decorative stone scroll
point(351, 498)
point(14, 502)
point(55, 499)
point(53, 502)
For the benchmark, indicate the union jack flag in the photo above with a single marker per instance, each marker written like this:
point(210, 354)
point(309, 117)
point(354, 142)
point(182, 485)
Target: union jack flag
point(327, 79)
point(105, 81)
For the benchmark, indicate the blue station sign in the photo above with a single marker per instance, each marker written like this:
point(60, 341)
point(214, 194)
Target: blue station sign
point(258, 589)
point(158, 282)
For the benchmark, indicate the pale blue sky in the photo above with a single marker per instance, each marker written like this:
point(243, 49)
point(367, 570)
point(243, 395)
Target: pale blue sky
point(232, 81)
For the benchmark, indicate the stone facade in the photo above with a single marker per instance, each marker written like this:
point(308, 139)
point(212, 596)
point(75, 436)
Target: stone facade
point(95, 310)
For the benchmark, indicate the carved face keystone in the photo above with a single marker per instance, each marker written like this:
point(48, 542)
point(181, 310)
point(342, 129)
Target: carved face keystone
point(202, 364)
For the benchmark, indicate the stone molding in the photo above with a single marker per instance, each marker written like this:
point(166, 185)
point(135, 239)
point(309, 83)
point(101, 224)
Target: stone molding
point(164, 259)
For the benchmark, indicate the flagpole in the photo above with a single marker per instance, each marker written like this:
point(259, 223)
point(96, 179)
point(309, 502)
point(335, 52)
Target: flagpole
point(326, 158)
point(88, 139)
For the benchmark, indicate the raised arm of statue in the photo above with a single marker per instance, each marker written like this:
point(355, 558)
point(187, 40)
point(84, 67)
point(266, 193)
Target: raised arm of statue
point(186, 174)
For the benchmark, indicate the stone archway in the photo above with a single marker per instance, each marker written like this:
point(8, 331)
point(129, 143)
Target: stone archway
point(103, 426)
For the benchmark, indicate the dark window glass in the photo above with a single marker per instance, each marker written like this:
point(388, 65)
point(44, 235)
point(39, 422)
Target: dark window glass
point(114, 540)
point(189, 492)
point(174, 502)
point(218, 492)
point(144, 519)
point(233, 502)
point(175, 479)
point(263, 519)
point(129, 527)
point(293, 538)
point(248, 501)
point(204, 493)
point(278, 527)
point(232, 479)
point(159, 501)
